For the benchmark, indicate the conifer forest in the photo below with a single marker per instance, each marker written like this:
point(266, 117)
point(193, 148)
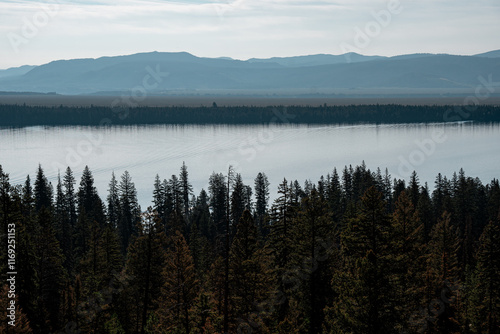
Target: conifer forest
point(355, 251)
point(249, 167)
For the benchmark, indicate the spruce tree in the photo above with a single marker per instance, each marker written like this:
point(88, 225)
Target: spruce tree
point(186, 189)
point(114, 209)
point(485, 304)
point(64, 229)
point(50, 273)
point(249, 275)
point(218, 201)
point(334, 195)
point(5, 207)
point(178, 294)
point(129, 209)
point(201, 216)
point(70, 196)
point(408, 262)
point(237, 202)
point(28, 199)
point(281, 244)
point(98, 269)
point(88, 199)
point(90, 210)
point(261, 186)
point(43, 191)
point(313, 235)
point(414, 189)
point(21, 322)
point(443, 275)
point(145, 263)
point(159, 198)
point(365, 250)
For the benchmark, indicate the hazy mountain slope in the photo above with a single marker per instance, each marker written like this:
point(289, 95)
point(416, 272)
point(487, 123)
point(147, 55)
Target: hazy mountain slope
point(316, 60)
point(16, 71)
point(188, 73)
point(490, 54)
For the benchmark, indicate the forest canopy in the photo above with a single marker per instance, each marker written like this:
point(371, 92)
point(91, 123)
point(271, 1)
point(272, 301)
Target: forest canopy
point(23, 115)
point(354, 252)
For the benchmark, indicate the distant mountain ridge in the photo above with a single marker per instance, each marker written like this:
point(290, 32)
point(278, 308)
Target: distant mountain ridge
point(16, 71)
point(316, 60)
point(181, 73)
point(490, 54)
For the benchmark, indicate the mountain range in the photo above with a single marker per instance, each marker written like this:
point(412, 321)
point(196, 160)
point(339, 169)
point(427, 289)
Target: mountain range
point(181, 73)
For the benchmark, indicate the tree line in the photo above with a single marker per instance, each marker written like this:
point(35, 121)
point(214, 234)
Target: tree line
point(354, 252)
point(24, 115)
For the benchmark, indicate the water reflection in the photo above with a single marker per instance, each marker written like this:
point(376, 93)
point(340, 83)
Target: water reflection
point(292, 151)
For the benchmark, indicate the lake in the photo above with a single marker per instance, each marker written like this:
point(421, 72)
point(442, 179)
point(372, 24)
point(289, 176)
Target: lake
point(291, 151)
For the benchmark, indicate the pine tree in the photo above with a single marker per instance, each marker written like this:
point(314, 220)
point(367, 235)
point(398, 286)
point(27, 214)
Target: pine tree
point(98, 267)
point(414, 189)
point(347, 314)
point(408, 264)
point(203, 313)
point(90, 210)
point(365, 248)
point(114, 209)
point(201, 216)
point(370, 230)
point(5, 204)
point(27, 274)
point(362, 179)
point(261, 185)
point(250, 279)
point(179, 293)
point(28, 199)
point(296, 192)
point(145, 263)
point(91, 269)
point(425, 212)
point(70, 196)
point(485, 304)
point(50, 273)
point(89, 202)
point(216, 286)
point(334, 195)
point(14, 211)
point(177, 203)
point(280, 241)
point(493, 199)
point(64, 229)
point(347, 187)
point(129, 208)
point(387, 190)
point(43, 191)
point(313, 234)
point(186, 189)
point(444, 277)
point(218, 201)
point(237, 202)
point(20, 323)
point(200, 250)
point(159, 198)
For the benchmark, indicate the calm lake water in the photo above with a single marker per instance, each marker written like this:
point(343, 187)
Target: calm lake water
point(295, 152)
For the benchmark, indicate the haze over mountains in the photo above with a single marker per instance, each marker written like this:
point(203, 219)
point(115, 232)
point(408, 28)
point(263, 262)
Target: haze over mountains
point(181, 73)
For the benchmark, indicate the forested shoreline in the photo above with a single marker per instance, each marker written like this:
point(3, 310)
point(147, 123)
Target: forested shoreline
point(121, 113)
point(353, 252)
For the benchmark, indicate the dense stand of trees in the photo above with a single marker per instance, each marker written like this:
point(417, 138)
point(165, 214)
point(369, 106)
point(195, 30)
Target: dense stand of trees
point(23, 115)
point(355, 252)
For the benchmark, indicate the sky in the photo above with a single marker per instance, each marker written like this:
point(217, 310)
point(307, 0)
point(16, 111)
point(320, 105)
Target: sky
point(37, 32)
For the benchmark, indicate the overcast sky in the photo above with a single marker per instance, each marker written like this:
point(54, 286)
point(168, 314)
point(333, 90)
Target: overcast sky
point(36, 32)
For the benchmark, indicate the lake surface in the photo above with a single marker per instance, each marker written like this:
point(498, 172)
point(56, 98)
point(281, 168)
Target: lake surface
point(295, 152)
